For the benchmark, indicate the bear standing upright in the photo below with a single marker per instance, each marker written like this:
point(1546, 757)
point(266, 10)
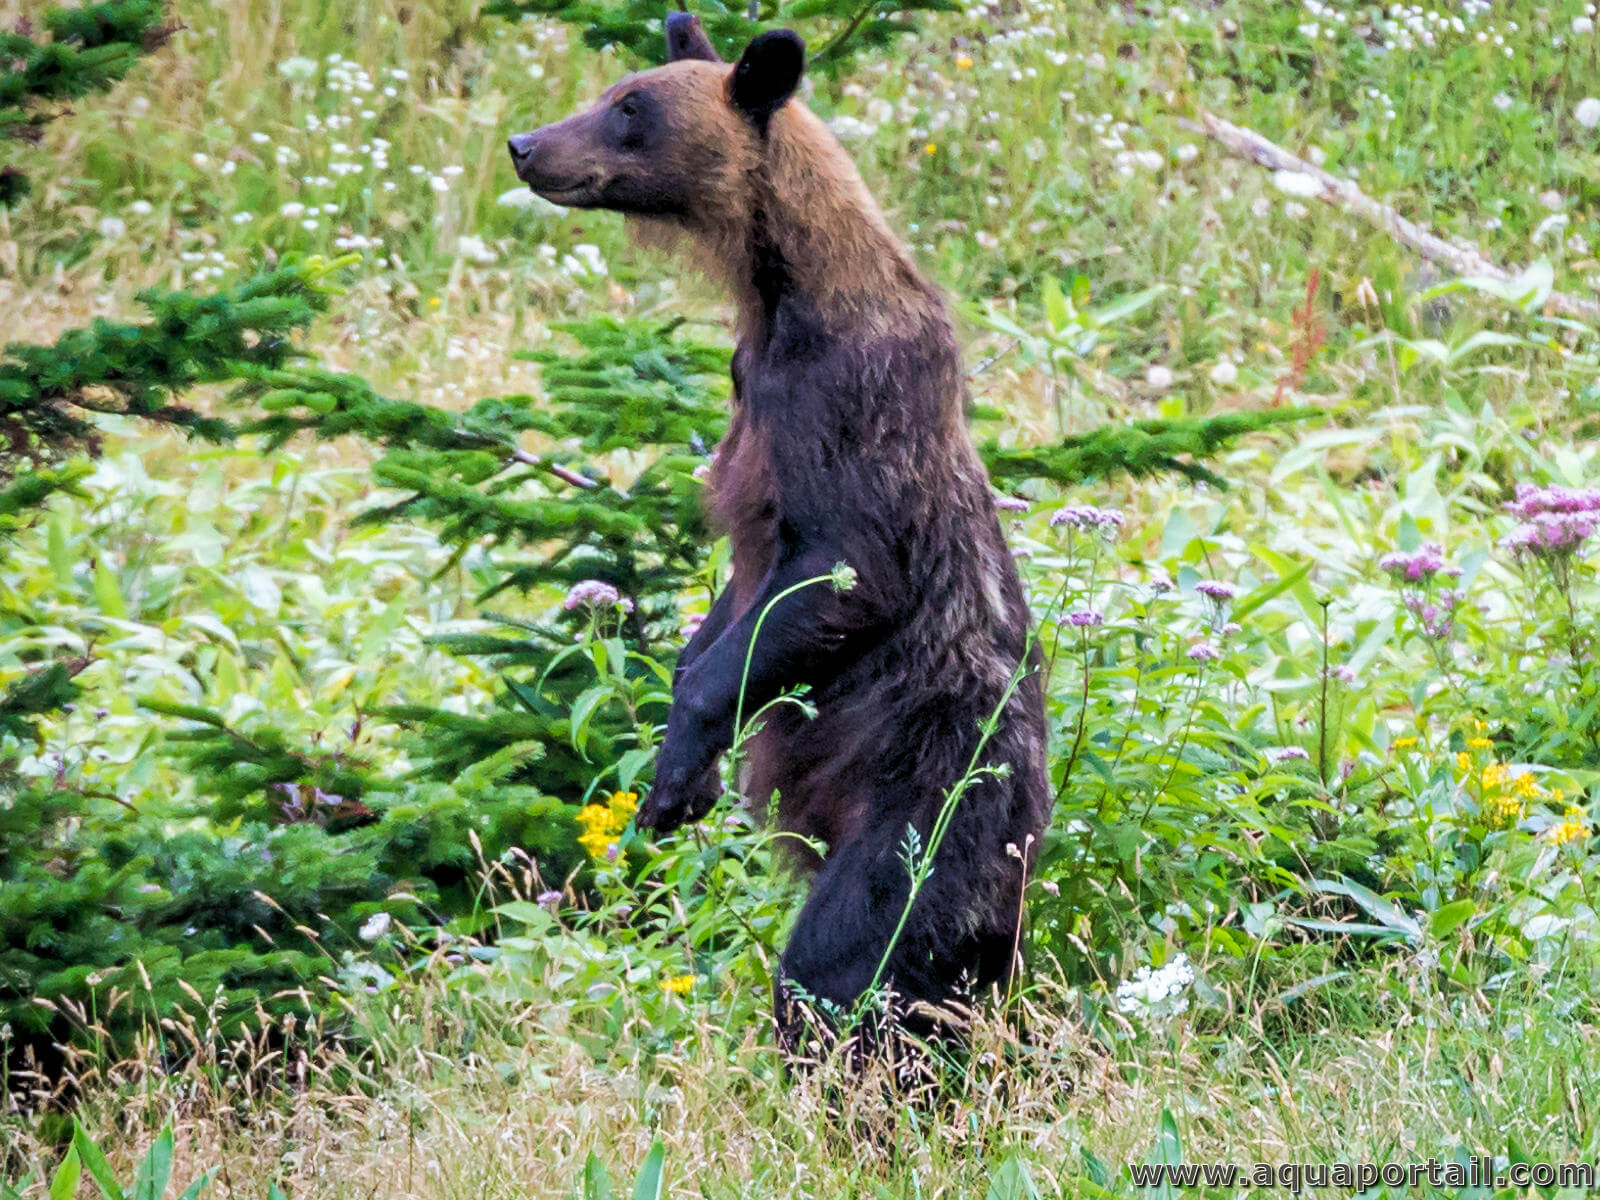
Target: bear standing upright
point(847, 445)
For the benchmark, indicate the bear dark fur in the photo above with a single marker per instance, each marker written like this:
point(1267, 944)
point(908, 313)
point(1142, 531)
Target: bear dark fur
point(847, 445)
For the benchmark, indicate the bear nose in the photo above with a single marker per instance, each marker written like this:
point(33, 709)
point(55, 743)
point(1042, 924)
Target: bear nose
point(521, 146)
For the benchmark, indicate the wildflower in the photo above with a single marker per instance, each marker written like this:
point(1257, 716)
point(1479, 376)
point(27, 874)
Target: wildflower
point(550, 898)
point(601, 823)
point(964, 63)
point(1087, 516)
point(1555, 520)
point(112, 227)
point(1403, 743)
point(1573, 827)
point(678, 985)
point(1224, 374)
point(1085, 618)
point(1158, 376)
point(474, 248)
point(522, 197)
point(292, 209)
point(376, 926)
point(1204, 652)
point(930, 149)
point(1419, 566)
point(1526, 786)
point(1297, 183)
point(1479, 743)
point(1494, 775)
point(623, 805)
point(1216, 590)
point(1503, 811)
point(596, 595)
point(1157, 996)
point(1586, 112)
point(1463, 762)
point(141, 208)
point(1502, 101)
point(1011, 503)
point(1582, 25)
point(843, 577)
point(1287, 754)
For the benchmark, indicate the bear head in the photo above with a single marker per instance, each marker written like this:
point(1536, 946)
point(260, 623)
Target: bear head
point(672, 142)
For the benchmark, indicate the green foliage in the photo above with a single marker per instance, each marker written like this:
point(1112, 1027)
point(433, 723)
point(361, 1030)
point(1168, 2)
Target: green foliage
point(88, 50)
point(835, 30)
point(47, 393)
point(1154, 446)
point(150, 1181)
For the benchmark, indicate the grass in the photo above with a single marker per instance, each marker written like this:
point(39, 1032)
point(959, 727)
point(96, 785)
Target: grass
point(1393, 1072)
point(1011, 144)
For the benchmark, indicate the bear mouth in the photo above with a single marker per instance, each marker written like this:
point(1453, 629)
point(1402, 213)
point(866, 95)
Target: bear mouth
point(564, 191)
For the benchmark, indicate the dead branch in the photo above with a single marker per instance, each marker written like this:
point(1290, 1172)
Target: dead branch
point(1463, 260)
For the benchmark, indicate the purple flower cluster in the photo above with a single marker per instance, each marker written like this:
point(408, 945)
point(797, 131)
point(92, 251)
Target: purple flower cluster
point(1084, 618)
point(1420, 566)
point(596, 594)
point(1216, 589)
point(1555, 520)
point(1436, 614)
point(1087, 516)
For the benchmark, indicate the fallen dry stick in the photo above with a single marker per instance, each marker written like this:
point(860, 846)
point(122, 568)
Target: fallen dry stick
point(1463, 260)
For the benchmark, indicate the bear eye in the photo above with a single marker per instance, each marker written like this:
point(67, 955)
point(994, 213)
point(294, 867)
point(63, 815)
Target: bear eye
point(628, 106)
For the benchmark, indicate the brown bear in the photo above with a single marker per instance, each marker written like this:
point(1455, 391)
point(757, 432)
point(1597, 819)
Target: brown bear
point(847, 444)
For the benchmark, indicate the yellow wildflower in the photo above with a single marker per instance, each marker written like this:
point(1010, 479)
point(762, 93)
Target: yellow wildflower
point(434, 302)
point(963, 63)
point(1526, 786)
point(603, 822)
point(1463, 762)
point(678, 985)
point(1573, 827)
point(1495, 774)
point(1502, 811)
point(930, 148)
point(623, 805)
point(1404, 743)
point(1557, 795)
point(1478, 743)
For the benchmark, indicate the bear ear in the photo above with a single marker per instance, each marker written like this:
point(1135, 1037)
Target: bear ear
point(767, 73)
point(686, 38)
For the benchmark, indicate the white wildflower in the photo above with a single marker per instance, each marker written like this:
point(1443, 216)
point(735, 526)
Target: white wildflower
point(376, 926)
point(1586, 112)
point(1156, 996)
point(297, 68)
point(474, 248)
point(1297, 183)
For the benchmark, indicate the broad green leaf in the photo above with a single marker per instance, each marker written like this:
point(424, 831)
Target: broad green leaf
point(150, 1181)
point(1447, 918)
point(596, 1179)
point(99, 1170)
point(106, 592)
point(1011, 1181)
point(64, 1186)
point(649, 1184)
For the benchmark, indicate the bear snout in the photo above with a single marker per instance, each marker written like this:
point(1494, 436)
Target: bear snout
point(522, 146)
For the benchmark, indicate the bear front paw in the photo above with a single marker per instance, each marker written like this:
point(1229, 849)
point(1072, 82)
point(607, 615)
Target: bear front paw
point(668, 806)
